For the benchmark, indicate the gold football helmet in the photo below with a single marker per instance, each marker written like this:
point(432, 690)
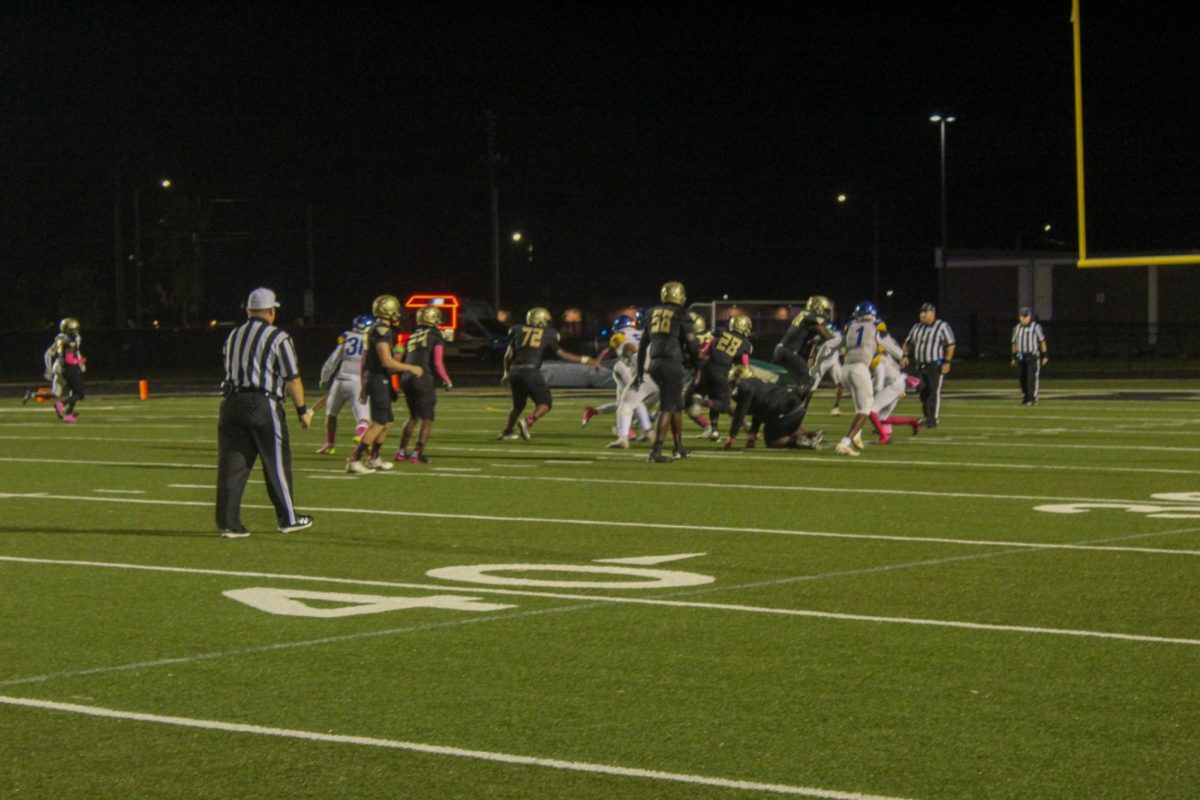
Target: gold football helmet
point(740, 324)
point(881, 326)
point(673, 292)
point(819, 304)
point(430, 316)
point(738, 372)
point(386, 306)
point(699, 326)
point(537, 318)
point(69, 325)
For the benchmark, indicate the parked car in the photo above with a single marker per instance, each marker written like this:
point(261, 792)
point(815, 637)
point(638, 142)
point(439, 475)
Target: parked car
point(482, 338)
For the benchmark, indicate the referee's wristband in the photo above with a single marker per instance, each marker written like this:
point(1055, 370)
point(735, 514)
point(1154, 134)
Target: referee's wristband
point(301, 411)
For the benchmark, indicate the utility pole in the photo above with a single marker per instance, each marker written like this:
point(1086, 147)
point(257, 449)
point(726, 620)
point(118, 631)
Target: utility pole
point(495, 207)
point(118, 255)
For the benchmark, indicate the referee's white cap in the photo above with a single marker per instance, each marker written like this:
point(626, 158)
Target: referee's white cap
point(261, 299)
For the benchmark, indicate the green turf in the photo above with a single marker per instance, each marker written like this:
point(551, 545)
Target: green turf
point(908, 624)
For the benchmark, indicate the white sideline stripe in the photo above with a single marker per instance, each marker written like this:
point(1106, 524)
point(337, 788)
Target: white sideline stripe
point(749, 487)
point(608, 457)
point(120, 491)
point(441, 750)
point(631, 524)
point(456, 469)
point(637, 601)
point(1154, 448)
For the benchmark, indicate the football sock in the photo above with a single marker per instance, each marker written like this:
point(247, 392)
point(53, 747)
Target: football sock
point(530, 420)
point(894, 420)
point(876, 423)
point(359, 449)
point(375, 450)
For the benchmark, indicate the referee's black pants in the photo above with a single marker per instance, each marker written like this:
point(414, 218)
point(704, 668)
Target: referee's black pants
point(1029, 368)
point(931, 391)
point(252, 425)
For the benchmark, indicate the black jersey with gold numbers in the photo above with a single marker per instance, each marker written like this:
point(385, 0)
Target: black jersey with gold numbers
point(804, 332)
point(420, 348)
point(729, 347)
point(530, 345)
point(668, 331)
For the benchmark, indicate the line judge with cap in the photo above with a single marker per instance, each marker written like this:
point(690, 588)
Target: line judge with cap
point(261, 368)
point(930, 346)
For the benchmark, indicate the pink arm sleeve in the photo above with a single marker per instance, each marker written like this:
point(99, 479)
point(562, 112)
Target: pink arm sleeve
point(439, 365)
point(745, 359)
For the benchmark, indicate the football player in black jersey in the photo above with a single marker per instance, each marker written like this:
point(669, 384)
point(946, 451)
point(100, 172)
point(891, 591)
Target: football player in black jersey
point(778, 410)
point(731, 348)
point(425, 350)
point(799, 345)
point(661, 354)
point(377, 392)
point(528, 345)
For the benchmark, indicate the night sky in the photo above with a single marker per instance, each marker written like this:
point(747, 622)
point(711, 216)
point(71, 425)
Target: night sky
point(637, 145)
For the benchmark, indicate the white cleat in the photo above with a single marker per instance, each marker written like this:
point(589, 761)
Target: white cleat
point(523, 429)
point(358, 468)
point(379, 464)
point(621, 443)
point(707, 433)
point(858, 440)
point(844, 449)
point(835, 412)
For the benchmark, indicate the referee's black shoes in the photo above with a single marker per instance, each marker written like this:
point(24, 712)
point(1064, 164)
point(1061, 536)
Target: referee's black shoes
point(302, 521)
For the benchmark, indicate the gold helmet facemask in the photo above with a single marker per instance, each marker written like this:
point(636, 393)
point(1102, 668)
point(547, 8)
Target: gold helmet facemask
point(819, 304)
point(430, 316)
point(69, 325)
point(673, 292)
point(740, 324)
point(386, 307)
point(537, 318)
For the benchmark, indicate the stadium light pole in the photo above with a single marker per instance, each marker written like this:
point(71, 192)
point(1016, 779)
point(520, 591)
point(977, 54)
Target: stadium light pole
point(942, 120)
point(165, 183)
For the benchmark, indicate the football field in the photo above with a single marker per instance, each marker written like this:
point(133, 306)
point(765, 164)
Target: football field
point(1007, 606)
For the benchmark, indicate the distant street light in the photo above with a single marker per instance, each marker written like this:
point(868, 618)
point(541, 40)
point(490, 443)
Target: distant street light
point(842, 200)
point(137, 248)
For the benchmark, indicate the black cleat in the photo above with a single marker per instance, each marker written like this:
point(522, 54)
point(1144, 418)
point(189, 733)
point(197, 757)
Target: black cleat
point(681, 452)
point(656, 457)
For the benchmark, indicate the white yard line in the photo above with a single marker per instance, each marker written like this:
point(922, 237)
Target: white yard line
point(120, 491)
point(610, 524)
point(734, 607)
point(442, 750)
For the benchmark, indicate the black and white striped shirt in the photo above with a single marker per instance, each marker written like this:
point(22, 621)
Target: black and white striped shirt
point(928, 343)
point(1028, 338)
point(260, 357)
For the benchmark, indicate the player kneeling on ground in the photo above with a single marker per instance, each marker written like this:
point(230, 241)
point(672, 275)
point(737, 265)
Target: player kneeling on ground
point(777, 410)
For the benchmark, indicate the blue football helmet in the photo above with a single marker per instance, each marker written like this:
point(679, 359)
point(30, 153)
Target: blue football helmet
point(362, 322)
point(865, 309)
point(623, 321)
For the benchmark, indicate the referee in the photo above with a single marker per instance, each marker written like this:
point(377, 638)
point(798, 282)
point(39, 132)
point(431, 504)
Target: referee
point(930, 346)
point(260, 367)
point(1028, 354)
